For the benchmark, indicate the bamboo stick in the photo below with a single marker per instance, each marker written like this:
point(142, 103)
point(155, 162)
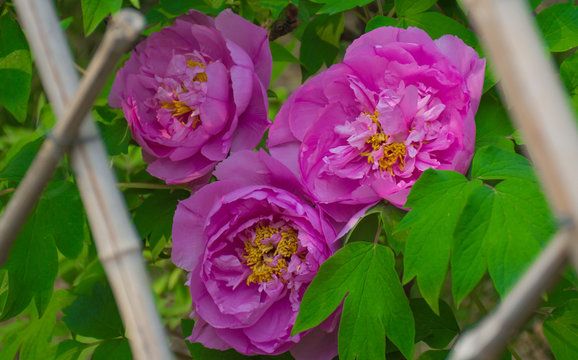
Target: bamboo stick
point(121, 34)
point(540, 108)
point(118, 244)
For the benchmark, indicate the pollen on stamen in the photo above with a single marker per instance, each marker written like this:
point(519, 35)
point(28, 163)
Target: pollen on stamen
point(388, 154)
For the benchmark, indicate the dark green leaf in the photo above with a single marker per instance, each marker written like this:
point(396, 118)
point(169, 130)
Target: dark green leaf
point(493, 123)
point(437, 25)
point(493, 163)
point(279, 53)
point(335, 6)
point(559, 25)
point(113, 128)
point(435, 330)
point(67, 230)
point(32, 267)
point(94, 315)
point(19, 164)
point(15, 68)
point(470, 252)
point(521, 223)
point(69, 350)
point(535, 3)
point(409, 7)
point(379, 21)
point(569, 73)
point(94, 11)
point(320, 42)
point(276, 6)
point(375, 304)
point(154, 217)
point(391, 216)
point(561, 330)
point(113, 349)
point(437, 200)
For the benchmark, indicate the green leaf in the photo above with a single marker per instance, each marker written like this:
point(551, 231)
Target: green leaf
point(437, 25)
point(94, 315)
point(409, 7)
point(15, 68)
point(493, 163)
point(569, 73)
point(32, 266)
point(62, 198)
point(16, 168)
point(154, 217)
point(434, 355)
point(437, 200)
point(435, 330)
point(379, 21)
point(276, 6)
point(559, 25)
point(279, 53)
point(561, 331)
point(94, 11)
point(113, 349)
point(493, 124)
point(375, 304)
point(335, 6)
point(470, 252)
point(320, 42)
point(69, 350)
point(521, 223)
point(113, 128)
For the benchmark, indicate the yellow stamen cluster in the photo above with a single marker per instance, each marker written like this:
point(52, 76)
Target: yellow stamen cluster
point(180, 110)
point(261, 256)
point(392, 153)
point(202, 76)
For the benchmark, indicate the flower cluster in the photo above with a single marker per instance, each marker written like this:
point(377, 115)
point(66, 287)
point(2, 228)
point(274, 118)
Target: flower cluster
point(360, 132)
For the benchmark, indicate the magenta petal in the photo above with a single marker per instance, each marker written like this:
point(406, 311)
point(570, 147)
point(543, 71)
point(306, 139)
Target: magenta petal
point(207, 335)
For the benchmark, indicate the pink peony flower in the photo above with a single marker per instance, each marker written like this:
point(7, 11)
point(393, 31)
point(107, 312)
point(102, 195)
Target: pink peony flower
point(252, 243)
point(365, 129)
point(194, 91)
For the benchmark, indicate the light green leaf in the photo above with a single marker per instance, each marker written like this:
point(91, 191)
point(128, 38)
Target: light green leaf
point(335, 6)
point(379, 21)
point(15, 68)
point(559, 25)
point(276, 6)
point(320, 42)
point(375, 304)
point(409, 7)
point(561, 331)
point(113, 349)
point(437, 25)
point(94, 11)
point(94, 315)
point(279, 53)
point(470, 252)
point(437, 200)
point(69, 350)
point(521, 223)
point(493, 163)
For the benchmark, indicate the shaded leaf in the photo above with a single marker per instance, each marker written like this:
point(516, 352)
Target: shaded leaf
point(69, 350)
point(320, 42)
point(437, 200)
point(17, 166)
point(569, 73)
point(15, 68)
point(334, 6)
point(434, 355)
point(279, 53)
point(435, 330)
point(94, 315)
point(379, 21)
point(493, 124)
point(437, 25)
point(113, 129)
point(493, 163)
point(113, 349)
point(375, 304)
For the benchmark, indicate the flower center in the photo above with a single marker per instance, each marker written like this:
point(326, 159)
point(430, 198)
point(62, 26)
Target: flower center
point(201, 76)
point(386, 154)
point(268, 253)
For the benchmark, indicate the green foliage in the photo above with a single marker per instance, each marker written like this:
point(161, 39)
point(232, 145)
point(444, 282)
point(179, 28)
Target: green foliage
point(410, 7)
point(375, 304)
point(335, 6)
point(114, 349)
point(436, 199)
point(94, 314)
point(94, 11)
point(435, 330)
point(320, 43)
point(559, 25)
point(15, 67)
point(561, 330)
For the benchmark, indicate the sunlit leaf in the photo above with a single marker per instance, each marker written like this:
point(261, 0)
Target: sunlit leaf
point(559, 25)
point(561, 330)
point(409, 7)
point(94, 11)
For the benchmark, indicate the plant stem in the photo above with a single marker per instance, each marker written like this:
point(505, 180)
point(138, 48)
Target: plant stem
point(379, 7)
point(7, 191)
point(150, 186)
